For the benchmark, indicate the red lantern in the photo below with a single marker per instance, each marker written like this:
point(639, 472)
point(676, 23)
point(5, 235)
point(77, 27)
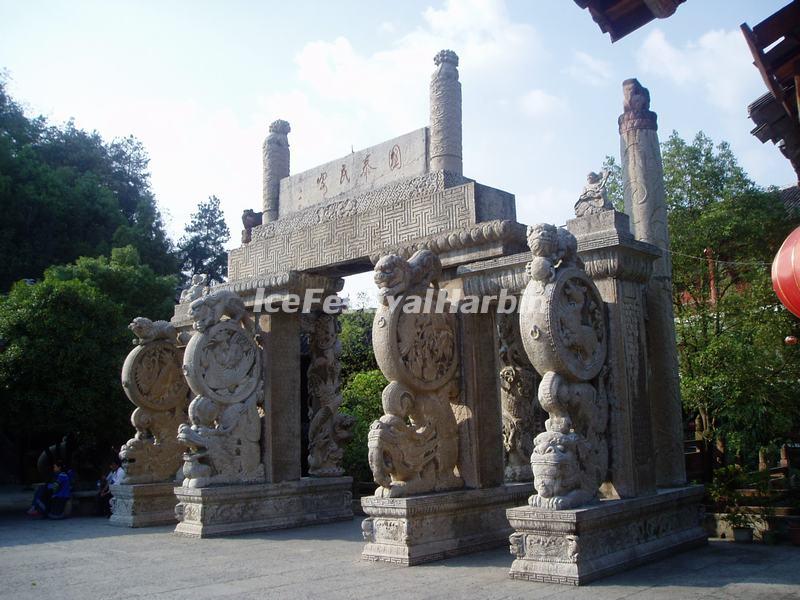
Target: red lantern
point(786, 273)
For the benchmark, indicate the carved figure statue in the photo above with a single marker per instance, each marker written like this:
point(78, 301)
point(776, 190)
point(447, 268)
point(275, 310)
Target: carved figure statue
point(567, 463)
point(197, 289)
point(402, 455)
point(562, 321)
point(329, 430)
point(413, 448)
point(250, 219)
point(551, 247)
point(594, 198)
point(222, 364)
point(152, 380)
point(395, 275)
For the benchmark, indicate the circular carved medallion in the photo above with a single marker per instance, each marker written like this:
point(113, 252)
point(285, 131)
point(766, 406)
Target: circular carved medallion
point(417, 349)
point(152, 378)
point(563, 325)
point(223, 363)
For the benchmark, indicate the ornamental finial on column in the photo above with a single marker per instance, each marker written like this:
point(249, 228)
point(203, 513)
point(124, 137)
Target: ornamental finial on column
point(276, 166)
point(446, 57)
point(636, 108)
point(280, 126)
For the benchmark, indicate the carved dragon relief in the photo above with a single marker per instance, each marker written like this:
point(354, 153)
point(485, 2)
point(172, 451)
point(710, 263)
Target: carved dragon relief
point(222, 364)
point(563, 326)
point(329, 430)
point(152, 380)
point(523, 417)
point(413, 448)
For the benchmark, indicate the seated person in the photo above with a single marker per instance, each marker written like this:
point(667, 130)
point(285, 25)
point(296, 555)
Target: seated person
point(51, 499)
point(104, 495)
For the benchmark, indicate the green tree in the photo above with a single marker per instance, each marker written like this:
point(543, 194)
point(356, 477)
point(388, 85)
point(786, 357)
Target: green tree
point(736, 374)
point(66, 341)
point(202, 248)
point(356, 340)
point(738, 379)
point(65, 193)
point(614, 184)
point(362, 399)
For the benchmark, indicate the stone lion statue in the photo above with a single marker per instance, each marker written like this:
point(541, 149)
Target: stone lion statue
point(147, 331)
point(208, 310)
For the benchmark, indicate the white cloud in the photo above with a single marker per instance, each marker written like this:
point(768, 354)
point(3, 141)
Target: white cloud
point(719, 62)
point(389, 86)
point(539, 104)
point(589, 69)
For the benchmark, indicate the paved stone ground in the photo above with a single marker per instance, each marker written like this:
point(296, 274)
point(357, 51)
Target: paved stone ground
point(86, 558)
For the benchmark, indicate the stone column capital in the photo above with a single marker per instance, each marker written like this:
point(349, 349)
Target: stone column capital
point(636, 108)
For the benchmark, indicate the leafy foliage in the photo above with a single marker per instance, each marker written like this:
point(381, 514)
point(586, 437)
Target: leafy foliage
point(65, 193)
point(362, 399)
point(67, 339)
point(356, 340)
point(736, 373)
point(614, 184)
point(202, 248)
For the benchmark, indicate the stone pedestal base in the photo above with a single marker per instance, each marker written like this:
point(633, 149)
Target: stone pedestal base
point(143, 504)
point(230, 509)
point(419, 529)
point(577, 546)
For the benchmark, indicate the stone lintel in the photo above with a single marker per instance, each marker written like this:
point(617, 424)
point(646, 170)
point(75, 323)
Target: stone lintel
point(342, 236)
point(488, 277)
point(455, 247)
point(574, 547)
point(276, 287)
point(420, 529)
point(279, 286)
point(231, 509)
point(143, 504)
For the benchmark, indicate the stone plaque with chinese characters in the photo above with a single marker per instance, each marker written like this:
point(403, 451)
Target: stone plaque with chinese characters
point(358, 172)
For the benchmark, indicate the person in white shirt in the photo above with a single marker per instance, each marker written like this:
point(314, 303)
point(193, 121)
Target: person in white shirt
point(104, 494)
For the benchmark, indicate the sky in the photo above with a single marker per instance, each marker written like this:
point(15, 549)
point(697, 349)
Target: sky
point(199, 82)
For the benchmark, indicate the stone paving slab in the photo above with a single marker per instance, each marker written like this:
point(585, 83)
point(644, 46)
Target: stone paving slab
point(85, 558)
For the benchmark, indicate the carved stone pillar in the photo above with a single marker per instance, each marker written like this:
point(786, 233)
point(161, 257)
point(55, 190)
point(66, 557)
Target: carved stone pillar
point(152, 380)
point(445, 119)
point(414, 447)
point(276, 166)
point(589, 346)
point(223, 366)
point(329, 430)
point(563, 328)
point(620, 267)
point(478, 414)
point(523, 417)
point(282, 443)
point(436, 453)
point(643, 181)
point(243, 460)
